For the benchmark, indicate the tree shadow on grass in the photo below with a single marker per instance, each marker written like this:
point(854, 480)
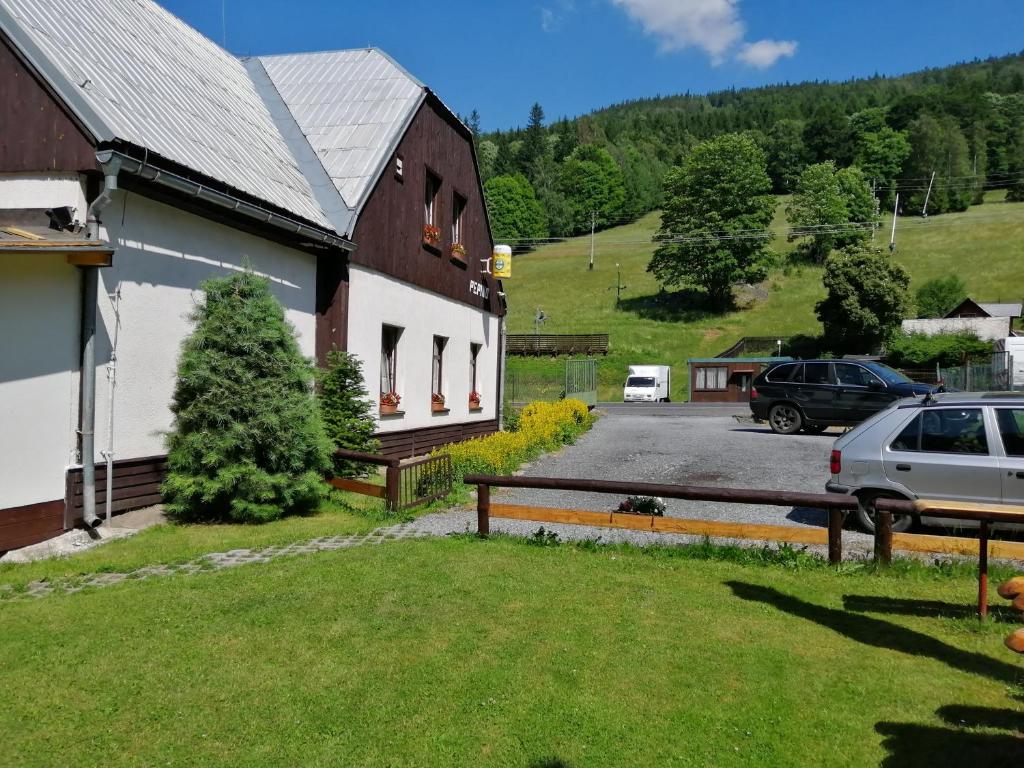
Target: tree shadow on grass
point(910, 745)
point(930, 609)
point(881, 634)
point(549, 762)
point(687, 305)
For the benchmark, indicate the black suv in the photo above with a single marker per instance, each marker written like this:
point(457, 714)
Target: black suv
point(815, 394)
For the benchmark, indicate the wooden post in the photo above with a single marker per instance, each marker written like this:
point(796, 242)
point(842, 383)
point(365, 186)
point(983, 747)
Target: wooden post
point(883, 537)
point(392, 487)
point(983, 571)
point(835, 536)
point(483, 510)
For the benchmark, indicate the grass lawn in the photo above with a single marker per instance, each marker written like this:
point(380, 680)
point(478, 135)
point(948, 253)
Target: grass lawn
point(465, 652)
point(984, 246)
point(172, 543)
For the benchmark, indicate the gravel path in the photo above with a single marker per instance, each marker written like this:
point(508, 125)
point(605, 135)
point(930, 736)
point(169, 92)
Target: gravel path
point(688, 447)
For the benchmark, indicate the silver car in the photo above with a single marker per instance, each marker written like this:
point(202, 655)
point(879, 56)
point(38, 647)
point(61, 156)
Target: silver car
point(955, 446)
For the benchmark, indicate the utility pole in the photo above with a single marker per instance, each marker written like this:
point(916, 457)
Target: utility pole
point(619, 287)
point(895, 212)
point(874, 196)
point(928, 194)
point(593, 222)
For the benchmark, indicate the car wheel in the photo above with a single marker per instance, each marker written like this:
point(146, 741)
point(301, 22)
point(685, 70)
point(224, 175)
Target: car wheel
point(785, 419)
point(815, 429)
point(865, 514)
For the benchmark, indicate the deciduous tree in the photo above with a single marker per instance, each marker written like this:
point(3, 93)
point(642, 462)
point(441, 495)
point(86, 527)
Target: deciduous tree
point(714, 230)
point(866, 299)
point(516, 216)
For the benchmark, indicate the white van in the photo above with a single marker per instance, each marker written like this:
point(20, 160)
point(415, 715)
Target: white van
point(648, 384)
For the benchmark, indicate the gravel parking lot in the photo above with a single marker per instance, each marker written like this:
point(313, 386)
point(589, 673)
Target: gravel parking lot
point(672, 444)
point(693, 449)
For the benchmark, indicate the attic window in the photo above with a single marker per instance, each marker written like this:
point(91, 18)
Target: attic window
point(399, 168)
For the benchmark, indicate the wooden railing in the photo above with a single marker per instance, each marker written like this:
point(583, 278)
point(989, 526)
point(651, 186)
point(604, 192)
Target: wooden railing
point(833, 503)
point(983, 514)
point(406, 484)
point(556, 344)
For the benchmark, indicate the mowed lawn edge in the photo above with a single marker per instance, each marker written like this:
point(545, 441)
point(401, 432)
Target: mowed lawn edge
point(467, 652)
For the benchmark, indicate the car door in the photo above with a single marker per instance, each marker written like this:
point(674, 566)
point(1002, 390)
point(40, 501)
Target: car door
point(859, 393)
point(945, 453)
point(815, 392)
point(1010, 423)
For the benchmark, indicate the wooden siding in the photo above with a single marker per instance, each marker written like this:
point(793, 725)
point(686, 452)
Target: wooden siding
point(416, 442)
point(389, 231)
point(30, 524)
point(331, 305)
point(733, 392)
point(36, 133)
point(136, 484)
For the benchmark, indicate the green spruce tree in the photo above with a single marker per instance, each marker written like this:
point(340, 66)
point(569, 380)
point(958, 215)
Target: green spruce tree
point(347, 410)
point(247, 444)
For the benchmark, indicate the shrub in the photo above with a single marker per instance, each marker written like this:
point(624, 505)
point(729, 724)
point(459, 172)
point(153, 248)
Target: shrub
point(346, 409)
point(938, 296)
point(541, 427)
point(247, 443)
point(918, 349)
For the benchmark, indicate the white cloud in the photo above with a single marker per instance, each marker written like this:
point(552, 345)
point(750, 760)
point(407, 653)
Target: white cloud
point(552, 16)
point(714, 26)
point(764, 53)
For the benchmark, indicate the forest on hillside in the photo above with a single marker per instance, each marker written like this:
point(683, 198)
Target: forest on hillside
point(958, 130)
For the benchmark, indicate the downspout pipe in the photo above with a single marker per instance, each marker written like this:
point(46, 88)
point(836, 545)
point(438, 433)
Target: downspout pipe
point(90, 281)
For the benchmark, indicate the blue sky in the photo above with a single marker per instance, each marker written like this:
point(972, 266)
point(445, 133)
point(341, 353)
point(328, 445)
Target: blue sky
point(577, 55)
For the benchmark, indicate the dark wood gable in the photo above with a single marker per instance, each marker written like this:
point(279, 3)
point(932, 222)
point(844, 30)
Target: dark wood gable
point(36, 133)
point(389, 231)
point(968, 308)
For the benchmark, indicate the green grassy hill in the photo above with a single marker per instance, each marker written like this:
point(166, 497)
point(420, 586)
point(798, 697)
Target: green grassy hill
point(984, 246)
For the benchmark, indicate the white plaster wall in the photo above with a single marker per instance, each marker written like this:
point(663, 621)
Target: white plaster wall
point(40, 190)
point(40, 307)
point(162, 256)
point(985, 328)
point(1015, 346)
point(376, 300)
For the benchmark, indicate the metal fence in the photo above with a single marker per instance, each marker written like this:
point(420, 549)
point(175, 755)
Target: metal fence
point(578, 381)
point(995, 375)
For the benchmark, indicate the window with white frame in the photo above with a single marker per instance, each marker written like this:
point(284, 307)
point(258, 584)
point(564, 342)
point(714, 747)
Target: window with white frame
point(437, 369)
point(458, 209)
point(430, 205)
point(389, 359)
point(474, 353)
point(715, 378)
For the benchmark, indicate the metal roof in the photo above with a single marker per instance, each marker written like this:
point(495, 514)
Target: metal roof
point(132, 71)
point(353, 108)
point(1002, 310)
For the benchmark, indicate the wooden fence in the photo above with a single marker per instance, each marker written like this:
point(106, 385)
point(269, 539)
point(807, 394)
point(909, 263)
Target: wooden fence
point(556, 344)
point(834, 504)
point(406, 484)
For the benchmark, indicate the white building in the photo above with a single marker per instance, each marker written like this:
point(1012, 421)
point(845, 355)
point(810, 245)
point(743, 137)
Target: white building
point(318, 171)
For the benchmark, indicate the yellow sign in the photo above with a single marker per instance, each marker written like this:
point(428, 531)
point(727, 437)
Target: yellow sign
point(502, 266)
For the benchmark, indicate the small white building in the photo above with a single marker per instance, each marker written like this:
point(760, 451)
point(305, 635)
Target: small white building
point(138, 159)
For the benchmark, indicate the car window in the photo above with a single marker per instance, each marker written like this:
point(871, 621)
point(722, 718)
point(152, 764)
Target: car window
point(853, 375)
point(780, 372)
point(1011, 429)
point(944, 430)
point(889, 375)
point(816, 373)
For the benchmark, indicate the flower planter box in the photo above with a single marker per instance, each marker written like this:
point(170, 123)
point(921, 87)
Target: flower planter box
point(438, 408)
point(388, 409)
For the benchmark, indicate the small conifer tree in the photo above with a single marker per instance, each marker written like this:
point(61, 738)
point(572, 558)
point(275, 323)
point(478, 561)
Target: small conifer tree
point(346, 409)
point(248, 443)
